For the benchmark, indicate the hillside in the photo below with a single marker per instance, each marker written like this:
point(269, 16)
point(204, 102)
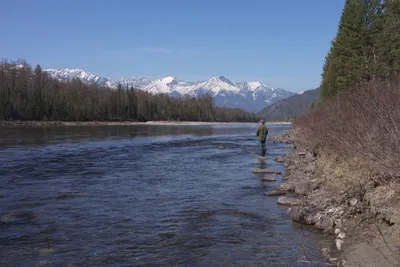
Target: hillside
point(287, 108)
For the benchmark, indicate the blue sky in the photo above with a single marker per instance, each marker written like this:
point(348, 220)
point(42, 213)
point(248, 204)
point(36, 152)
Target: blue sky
point(282, 43)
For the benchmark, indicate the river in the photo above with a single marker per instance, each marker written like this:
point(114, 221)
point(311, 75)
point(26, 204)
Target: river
point(170, 195)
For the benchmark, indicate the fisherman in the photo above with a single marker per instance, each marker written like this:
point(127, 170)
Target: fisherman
point(262, 133)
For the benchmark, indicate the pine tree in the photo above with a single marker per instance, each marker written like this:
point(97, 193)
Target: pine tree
point(388, 47)
point(348, 50)
point(373, 24)
point(352, 58)
point(328, 77)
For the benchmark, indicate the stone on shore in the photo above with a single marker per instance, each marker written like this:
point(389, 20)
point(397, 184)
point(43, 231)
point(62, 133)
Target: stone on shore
point(309, 169)
point(324, 223)
point(289, 201)
point(286, 178)
point(299, 215)
point(304, 188)
point(339, 244)
point(279, 159)
point(288, 187)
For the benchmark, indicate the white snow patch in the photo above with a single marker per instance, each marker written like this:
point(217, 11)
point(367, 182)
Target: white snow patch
point(254, 85)
point(168, 79)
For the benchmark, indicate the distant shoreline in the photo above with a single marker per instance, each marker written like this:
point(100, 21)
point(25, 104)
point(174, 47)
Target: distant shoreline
point(16, 123)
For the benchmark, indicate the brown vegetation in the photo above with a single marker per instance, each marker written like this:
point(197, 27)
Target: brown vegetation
point(363, 126)
point(356, 141)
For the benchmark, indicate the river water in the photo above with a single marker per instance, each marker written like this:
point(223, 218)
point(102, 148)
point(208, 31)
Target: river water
point(171, 195)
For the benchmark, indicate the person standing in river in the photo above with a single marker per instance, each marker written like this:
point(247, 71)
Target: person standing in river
point(262, 133)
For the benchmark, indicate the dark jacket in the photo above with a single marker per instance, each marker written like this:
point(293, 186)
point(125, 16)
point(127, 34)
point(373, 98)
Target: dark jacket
point(262, 132)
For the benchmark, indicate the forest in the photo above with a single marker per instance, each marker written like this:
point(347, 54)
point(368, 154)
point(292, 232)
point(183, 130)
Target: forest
point(366, 48)
point(28, 93)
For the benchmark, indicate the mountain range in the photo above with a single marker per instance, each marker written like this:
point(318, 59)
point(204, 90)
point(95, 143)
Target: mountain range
point(292, 106)
point(250, 96)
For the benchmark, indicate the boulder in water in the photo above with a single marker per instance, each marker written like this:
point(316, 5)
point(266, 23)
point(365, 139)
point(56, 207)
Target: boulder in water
point(263, 171)
point(275, 193)
point(268, 179)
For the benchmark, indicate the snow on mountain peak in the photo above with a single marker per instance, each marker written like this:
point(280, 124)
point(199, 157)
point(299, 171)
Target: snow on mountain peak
point(169, 79)
point(254, 85)
point(163, 86)
point(217, 84)
point(69, 74)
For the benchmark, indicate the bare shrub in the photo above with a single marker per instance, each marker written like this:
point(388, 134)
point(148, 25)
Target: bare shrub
point(364, 125)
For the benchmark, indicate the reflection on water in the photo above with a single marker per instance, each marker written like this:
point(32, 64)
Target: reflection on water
point(143, 196)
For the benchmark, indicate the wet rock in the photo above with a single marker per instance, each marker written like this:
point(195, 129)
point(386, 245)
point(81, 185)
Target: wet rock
point(268, 179)
point(299, 215)
point(263, 171)
point(325, 223)
point(289, 187)
point(279, 159)
point(289, 201)
point(288, 177)
point(275, 193)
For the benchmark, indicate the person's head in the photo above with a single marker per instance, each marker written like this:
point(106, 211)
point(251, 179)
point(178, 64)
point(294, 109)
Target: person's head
point(262, 122)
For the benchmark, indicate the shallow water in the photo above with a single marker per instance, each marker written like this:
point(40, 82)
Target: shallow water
point(144, 196)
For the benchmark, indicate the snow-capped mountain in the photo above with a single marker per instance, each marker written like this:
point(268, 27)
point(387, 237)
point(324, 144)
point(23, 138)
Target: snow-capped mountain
point(69, 74)
point(250, 96)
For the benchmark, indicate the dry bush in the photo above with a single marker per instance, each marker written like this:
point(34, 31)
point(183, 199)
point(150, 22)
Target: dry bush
point(364, 125)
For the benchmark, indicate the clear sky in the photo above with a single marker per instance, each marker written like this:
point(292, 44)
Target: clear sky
point(282, 43)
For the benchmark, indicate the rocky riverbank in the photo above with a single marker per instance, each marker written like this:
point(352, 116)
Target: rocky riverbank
point(327, 193)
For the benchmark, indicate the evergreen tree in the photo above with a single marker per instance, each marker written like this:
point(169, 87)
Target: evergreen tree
point(388, 46)
point(352, 55)
point(328, 77)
